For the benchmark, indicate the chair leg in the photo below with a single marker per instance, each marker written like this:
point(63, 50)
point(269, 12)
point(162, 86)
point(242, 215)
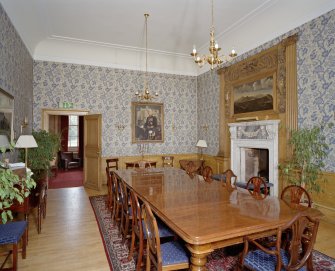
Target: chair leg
point(39, 218)
point(140, 255)
point(148, 259)
point(132, 245)
point(24, 244)
point(45, 206)
point(26, 218)
point(15, 252)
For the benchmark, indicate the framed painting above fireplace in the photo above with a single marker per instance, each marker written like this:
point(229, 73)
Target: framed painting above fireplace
point(257, 94)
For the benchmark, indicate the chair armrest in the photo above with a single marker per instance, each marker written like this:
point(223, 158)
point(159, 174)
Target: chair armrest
point(77, 160)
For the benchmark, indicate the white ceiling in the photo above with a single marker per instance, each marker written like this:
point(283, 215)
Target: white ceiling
point(111, 32)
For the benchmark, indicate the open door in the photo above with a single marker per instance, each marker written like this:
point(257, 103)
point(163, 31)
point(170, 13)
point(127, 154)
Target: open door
point(92, 151)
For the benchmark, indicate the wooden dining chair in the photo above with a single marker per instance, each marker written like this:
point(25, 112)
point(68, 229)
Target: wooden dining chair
point(207, 173)
point(139, 236)
point(38, 201)
point(229, 178)
point(294, 195)
point(257, 187)
point(109, 201)
point(167, 256)
point(117, 204)
point(112, 163)
point(277, 258)
point(126, 211)
point(12, 233)
point(167, 161)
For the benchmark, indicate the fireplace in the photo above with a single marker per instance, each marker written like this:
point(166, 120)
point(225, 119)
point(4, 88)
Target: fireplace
point(254, 151)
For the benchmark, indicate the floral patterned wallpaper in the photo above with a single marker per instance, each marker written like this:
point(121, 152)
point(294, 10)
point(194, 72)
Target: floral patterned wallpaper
point(16, 72)
point(110, 92)
point(191, 104)
point(316, 83)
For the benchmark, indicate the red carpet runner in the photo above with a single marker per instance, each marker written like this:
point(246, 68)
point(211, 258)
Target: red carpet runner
point(70, 178)
point(117, 252)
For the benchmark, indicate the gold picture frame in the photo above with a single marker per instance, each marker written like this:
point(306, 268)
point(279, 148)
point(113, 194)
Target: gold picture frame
point(6, 117)
point(147, 122)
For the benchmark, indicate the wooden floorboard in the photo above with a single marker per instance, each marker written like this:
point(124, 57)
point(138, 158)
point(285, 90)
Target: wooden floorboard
point(70, 238)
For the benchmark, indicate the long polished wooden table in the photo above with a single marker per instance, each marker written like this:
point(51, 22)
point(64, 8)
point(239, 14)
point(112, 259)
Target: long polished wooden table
point(205, 215)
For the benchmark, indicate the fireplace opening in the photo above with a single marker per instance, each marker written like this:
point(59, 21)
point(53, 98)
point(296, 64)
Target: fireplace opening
point(256, 163)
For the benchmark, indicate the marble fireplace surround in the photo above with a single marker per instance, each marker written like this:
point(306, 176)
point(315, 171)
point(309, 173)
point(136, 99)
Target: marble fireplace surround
point(255, 135)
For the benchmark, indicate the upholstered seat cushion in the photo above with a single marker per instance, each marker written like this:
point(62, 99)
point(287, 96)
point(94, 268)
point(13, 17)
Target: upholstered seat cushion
point(219, 177)
point(11, 232)
point(163, 230)
point(260, 261)
point(173, 253)
point(251, 186)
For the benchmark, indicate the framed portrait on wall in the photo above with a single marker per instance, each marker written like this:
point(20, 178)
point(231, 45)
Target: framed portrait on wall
point(147, 122)
point(6, 118)
point(254, 95)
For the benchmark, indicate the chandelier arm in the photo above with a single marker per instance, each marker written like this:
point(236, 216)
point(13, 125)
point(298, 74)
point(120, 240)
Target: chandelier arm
point(213, 15)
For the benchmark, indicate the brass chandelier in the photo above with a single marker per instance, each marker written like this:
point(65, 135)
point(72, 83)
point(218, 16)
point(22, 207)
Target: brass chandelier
point(213, 58)
point(146, 96)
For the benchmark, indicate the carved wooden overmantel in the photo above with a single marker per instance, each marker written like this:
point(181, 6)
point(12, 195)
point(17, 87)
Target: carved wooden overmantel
point(277, 63)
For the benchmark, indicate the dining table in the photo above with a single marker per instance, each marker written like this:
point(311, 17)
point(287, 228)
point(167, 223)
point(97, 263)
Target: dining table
point(207, 215)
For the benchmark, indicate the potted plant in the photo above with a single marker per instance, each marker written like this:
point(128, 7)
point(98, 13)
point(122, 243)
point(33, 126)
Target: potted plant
point(309, 151)
point(13, 189)
point(39, 158)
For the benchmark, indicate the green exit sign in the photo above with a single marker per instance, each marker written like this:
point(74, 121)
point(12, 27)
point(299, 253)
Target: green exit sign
point(66, 105)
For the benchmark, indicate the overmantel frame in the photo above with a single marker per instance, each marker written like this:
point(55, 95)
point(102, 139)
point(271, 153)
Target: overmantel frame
point(278, 61)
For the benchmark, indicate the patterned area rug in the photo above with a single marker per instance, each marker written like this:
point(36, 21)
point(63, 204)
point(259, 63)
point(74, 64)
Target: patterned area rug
point(219, 260)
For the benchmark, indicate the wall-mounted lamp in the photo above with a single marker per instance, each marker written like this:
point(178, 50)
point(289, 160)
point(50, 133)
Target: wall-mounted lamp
point(204, 127)
point(120, 126)
point(24, 124)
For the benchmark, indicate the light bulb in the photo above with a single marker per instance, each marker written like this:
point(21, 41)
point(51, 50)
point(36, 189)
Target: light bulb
point(216, 45)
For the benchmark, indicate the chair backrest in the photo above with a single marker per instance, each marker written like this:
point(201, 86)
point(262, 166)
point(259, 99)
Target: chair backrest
point(255, 186)
point(137, 214)
point(296, 195)
point(109, 188)
point(112, 163)
point(153, 241)
point(230, 178)
point(167, 161)
point(115, 188)
point(301, 230)
point(303, 235)
point(207, 173)
point(123, 195)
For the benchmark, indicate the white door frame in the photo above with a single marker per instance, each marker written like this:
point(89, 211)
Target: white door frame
point(59, 111)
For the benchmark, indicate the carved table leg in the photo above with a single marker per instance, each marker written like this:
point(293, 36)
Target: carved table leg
point(199, 256)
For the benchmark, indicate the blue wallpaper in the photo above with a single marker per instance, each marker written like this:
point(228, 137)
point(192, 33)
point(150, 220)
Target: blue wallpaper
point(110, 92)
point(191, 104)
point(316, 83)
point(16, 72)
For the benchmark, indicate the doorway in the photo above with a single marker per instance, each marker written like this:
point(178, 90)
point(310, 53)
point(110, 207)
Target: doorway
point(69, 167)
